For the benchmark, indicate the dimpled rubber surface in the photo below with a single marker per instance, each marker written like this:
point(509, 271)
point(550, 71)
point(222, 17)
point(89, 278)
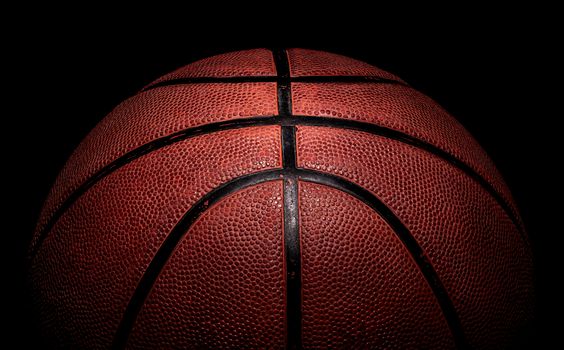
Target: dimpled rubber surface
point(311, 62)
point(399, 108)
point(91, 261)
point(249, 63)
point(473, 245)
point(360, 287)
point(151, 115)
point(224, 285)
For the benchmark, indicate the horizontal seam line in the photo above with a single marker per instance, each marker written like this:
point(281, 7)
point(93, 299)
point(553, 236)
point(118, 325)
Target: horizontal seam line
point(319, 79)
point(295, 120)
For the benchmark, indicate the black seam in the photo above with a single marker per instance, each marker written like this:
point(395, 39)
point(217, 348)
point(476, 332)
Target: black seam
point(415, 142)
point(292, 248)
point(139, 152)
point(272, 120)
point(292, 257)
point(290, 175)
point(319, 79)
point(169, 245)
point(289, 146)
point(283, 83)
point(402, 232)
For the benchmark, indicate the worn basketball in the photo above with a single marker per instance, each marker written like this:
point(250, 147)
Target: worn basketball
point(280, 199)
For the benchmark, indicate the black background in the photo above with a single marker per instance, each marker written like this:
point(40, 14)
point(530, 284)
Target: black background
point(497, 83)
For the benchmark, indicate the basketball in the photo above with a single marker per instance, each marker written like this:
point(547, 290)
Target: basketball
point(280, 199)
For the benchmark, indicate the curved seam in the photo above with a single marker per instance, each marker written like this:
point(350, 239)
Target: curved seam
point(263, 121)
point(171, 242)
point(320, 79)
point(181, 229)
point(138, 153)
point(404, 235)
point(441, 154)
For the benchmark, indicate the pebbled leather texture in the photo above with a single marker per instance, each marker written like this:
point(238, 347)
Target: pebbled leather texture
point(90, 263)
point(247, 63)
point(229, 274)
point(311, 62)
point(399, 108)
point(225, 283)
point(361, 288)
point(151, 115)
point(475, 248)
